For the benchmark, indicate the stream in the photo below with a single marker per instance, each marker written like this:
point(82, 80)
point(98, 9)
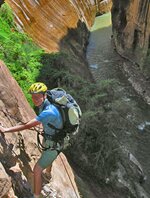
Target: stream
point(105, 64)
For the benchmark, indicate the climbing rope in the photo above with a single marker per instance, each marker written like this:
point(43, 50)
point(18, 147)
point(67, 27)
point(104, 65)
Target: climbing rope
point(69, 177)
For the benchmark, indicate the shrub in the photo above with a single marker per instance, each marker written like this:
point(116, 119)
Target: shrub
point(18, 51)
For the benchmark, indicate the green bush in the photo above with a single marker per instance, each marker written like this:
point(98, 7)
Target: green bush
point(7, 15)
point(18, 51)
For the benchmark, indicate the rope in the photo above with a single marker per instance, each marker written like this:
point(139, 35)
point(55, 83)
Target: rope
point(69, 177)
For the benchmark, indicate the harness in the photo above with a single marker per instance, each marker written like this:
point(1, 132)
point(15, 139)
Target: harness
point(53, 145)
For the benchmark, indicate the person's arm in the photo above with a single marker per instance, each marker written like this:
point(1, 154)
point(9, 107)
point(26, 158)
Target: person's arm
point(21, 127)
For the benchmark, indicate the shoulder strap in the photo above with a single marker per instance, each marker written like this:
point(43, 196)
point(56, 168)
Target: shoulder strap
point(59, 89)
point(53, 127)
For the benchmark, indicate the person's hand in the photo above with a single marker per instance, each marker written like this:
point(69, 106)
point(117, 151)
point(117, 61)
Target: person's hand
point(2, 129)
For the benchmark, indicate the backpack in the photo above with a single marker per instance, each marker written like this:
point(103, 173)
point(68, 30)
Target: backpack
point(70, 111)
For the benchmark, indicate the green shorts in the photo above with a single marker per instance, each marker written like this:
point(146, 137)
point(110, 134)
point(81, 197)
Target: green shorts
point(47, 157)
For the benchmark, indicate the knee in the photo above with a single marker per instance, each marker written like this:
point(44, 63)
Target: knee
point(37, 170)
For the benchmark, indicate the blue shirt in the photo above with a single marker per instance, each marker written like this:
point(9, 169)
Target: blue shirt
point(48, 113)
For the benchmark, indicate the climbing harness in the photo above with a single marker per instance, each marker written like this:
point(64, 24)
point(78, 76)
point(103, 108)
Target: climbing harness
point(41, 147)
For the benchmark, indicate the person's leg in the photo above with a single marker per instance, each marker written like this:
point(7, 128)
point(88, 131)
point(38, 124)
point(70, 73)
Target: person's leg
point(37, 179)
point(45, 161)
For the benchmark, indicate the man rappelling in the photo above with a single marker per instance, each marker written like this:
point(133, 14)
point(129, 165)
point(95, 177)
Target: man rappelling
point(48, 113)
point(60, 116)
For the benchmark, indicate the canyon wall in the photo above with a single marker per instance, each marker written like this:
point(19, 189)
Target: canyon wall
point(103, 6)
point(131, 28)
point(47, 22)
point(61, 26)
point(58, 26)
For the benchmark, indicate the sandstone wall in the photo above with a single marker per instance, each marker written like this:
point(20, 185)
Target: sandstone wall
point(103, 6)
point(14, 109)
point(131, 28)
point(58, 26)
point(47, 22)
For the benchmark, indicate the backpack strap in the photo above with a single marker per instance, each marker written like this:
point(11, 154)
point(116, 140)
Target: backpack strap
point(59, 135)
point(53, 127)
point(46, 103)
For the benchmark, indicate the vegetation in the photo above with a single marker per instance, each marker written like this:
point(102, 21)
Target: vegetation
point(18, 51)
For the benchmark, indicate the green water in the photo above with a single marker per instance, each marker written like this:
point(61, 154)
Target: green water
point(102, 21)
point(99, 52)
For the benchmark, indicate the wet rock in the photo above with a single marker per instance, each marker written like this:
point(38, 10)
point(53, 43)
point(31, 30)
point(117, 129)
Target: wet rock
point(129, 175)
point(137, 80)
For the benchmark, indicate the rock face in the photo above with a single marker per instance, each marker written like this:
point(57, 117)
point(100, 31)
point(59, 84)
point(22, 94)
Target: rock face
point(103, 6)
point(15, 146)
point(131, 28)
point(60, 26)
point(55, 25)
point(5, 181)
point(47, 22)
point(18, 152)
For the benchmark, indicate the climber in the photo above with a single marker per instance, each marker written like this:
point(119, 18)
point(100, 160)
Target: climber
point(48, 113)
